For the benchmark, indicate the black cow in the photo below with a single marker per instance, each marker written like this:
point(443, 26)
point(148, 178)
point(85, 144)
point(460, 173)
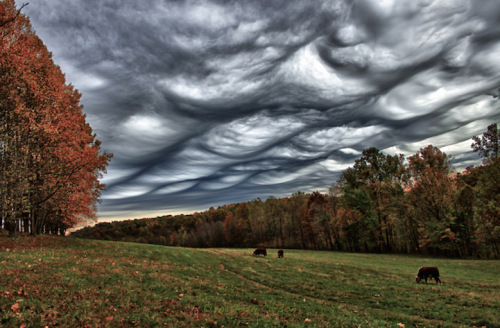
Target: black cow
point(428, 272)
point(259, 251)
point(280, 253)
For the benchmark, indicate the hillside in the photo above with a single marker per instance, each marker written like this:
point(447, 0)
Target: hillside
point(74, 282)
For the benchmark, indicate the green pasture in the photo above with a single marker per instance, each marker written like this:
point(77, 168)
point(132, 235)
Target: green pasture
point(69, 282)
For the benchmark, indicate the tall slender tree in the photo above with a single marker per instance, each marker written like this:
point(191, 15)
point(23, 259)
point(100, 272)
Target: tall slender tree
point(51, 161)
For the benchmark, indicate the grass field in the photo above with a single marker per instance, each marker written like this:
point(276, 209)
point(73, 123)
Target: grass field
point(67, 282)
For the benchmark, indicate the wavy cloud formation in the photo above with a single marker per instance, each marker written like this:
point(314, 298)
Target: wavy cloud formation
point(207, 103)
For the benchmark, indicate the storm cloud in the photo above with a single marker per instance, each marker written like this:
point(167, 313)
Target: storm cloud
point(205, 103)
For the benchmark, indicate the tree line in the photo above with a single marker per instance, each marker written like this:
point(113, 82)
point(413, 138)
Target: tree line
point(50, 161)
point(382, 204)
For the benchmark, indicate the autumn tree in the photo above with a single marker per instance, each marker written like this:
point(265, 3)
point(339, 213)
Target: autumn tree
point(307, 227)
point(51, 161)
point(336, 210)
point(320, 213)
point(237, 226)
point(464, 202)
point(257, 221)
point(296, 203)
point(432, 195)
point(275, 215)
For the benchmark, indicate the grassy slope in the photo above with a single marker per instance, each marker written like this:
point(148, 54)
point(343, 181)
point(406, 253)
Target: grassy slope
point(78, 283)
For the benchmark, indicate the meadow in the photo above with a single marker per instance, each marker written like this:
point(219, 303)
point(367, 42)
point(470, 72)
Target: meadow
point(69, 282)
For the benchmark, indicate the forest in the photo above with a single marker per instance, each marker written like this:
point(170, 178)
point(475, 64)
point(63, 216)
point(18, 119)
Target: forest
point(382, 204)
point(50, 161)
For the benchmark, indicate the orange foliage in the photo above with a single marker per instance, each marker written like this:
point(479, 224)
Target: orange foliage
point(51, 160)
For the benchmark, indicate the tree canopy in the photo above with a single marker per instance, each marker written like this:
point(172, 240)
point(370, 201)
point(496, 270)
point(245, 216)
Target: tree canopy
point(488, 146)
point(50, 160)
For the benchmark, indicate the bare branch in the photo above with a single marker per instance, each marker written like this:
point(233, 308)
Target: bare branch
point(12, 19)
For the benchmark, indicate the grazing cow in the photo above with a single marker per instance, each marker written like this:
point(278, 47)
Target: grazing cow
point(428, 272)
point(280, 253)
point(259, 251)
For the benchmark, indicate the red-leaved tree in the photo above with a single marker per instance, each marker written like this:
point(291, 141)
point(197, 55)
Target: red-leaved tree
point(51, 161)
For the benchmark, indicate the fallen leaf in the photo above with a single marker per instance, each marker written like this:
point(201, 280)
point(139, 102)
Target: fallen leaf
point(401, 325)
point(307, 320)
point(15, 307)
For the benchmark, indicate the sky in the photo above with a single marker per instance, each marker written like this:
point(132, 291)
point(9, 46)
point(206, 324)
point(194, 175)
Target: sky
point(206, 103)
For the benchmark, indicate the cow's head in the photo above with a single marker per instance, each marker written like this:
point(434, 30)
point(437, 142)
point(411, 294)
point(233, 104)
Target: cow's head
point(417, 279)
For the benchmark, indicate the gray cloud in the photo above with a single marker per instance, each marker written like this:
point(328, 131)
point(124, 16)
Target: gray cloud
point(207, 103)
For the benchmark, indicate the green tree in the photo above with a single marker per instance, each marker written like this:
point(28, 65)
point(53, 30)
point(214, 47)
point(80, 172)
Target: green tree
point(488, 146)
point(487, 206)
point(381, 176)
